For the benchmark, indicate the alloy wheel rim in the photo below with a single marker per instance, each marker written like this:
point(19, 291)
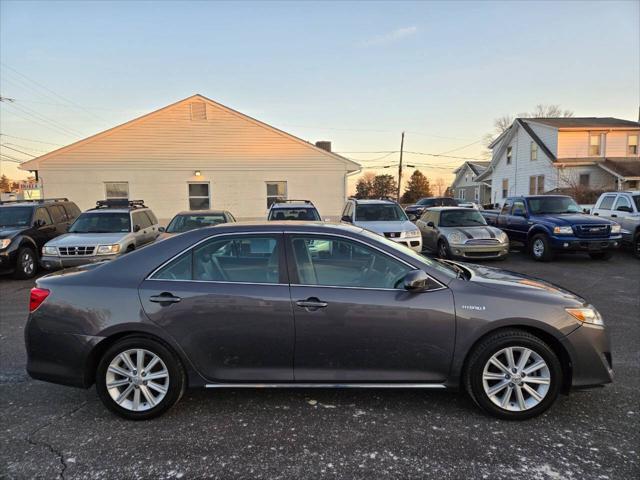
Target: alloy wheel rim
point(137, 380)
point(443, 250)
point(516, 379)
point(538, 248)
point(28, 263)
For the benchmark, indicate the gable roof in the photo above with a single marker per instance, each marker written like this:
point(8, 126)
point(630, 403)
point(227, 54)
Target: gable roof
point(33, 164)
point(479, 167)
point(536, 139)
point(585, 122)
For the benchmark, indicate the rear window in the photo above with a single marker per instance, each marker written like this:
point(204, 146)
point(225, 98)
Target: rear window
point(294, 214)
point(184, 223)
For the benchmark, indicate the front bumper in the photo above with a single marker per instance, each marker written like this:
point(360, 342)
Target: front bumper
point(590, 352)
point(571, 243)
point(477, 252)
point(414, 243)
point(8, 259)
point(49, 262)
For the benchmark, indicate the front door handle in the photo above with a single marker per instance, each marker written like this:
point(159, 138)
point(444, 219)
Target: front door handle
point(613, 215)
point(164, 297)
point(311, 304)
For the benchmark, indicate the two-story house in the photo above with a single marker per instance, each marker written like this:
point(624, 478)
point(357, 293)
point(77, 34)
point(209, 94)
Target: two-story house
point(465, 187)
point(539, 155)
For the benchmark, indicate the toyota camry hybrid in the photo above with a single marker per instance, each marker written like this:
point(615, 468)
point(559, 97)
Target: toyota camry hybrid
point(299, 304)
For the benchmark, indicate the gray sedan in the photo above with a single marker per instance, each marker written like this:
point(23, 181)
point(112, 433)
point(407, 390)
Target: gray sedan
point(457, 232)
point(308, 305)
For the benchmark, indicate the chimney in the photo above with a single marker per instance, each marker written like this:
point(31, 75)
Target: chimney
point(324, 145)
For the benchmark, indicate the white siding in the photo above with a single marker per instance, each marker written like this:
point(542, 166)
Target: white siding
point(598, 178)
point(158, 154)
point(574, 144)
point(548, 135)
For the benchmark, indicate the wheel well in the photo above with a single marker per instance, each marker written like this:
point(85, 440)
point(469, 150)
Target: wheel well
point(130, 248)
point(553, 342)
point(104, 345)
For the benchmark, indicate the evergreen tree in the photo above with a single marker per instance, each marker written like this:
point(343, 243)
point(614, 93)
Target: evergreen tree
point(384, 186)
point(417, 188)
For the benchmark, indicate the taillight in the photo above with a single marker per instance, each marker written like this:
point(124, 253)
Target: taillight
point(38, 295)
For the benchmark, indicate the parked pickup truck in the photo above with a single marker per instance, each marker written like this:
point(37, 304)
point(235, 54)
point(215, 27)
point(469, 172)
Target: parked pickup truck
point(624, 208)
point(547, 224)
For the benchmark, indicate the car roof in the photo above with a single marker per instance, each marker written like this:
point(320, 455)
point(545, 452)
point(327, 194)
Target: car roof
point(442, 209)
point(33, 203)
point(200, 212)
point(374, 201)
point(293, 205)
point(114, 210)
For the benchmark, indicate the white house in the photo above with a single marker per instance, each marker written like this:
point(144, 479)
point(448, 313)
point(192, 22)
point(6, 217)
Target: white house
point(466, 187)
point(538, 155)
point(196, 154)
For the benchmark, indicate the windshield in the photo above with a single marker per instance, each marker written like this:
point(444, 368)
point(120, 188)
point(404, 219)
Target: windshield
point(380, 212)
point(15, 216)
point(105, 222)
point(184, 223)
point(461, 218)
point(540, 205)
point(636, 200)
point(440, 267)
point(294, 214)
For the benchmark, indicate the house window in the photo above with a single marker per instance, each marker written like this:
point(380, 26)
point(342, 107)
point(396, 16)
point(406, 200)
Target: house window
point(276, 191)
point(536, 185)
point(534, 151)
point(585, 179)
point(505, 187)
point(199, 197)
point(509, 154)
point(461, 194)
point(116, 190)
point(476, 195)
point(632, 145)
point(595, 145)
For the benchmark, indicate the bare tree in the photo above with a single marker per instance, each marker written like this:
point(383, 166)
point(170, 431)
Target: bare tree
point(502, 123)
point(583, 193)
point(440, 185)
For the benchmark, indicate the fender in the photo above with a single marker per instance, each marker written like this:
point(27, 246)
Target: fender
point(538, 228)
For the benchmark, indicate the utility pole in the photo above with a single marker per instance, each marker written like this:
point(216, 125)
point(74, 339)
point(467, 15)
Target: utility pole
point(400, 166)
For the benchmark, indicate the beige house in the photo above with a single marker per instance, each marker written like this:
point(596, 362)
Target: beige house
point(196, 154)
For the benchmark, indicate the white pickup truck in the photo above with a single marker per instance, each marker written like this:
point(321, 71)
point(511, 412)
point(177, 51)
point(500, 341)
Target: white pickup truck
point(623, 208)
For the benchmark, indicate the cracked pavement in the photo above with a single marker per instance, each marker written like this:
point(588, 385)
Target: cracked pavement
point(51, 431)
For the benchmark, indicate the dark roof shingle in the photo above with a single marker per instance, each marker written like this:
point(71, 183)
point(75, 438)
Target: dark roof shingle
point(585, 122)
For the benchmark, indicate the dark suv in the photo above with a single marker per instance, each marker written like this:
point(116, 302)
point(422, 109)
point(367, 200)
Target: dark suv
point(25, 226)
point(421, 205)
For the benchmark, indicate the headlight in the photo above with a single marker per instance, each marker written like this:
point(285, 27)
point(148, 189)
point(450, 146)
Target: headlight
point(455, 237)
point(586, 315)
point(563, 230)
point(4, 243)
point(615, 228)
point(108, 249)
point(49, 250)
point(412, 233)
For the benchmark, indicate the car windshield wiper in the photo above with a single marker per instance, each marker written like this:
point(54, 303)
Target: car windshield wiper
point(460, 272)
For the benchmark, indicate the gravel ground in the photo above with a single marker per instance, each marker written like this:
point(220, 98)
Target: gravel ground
point(51, 431)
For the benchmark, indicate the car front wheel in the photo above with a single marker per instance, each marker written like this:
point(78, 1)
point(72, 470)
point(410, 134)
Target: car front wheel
point(26, 263)
point(513, 375)
point(139, 378)
point(540, 249)
point(443, 250)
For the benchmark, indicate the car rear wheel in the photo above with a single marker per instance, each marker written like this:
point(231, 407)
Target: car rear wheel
point(26, 263)
point(540, 249)
point(601, 255)
point(139, 378)
point(513, 375)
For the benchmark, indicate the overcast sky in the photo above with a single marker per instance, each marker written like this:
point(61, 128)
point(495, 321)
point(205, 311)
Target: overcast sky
point(354, 73)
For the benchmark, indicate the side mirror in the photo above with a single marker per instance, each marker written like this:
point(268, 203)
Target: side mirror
point(346, 218)
point(161, 229)
point(136, 228)
point(415, 281)
point(431, 224)
point(412, 217)
point(586, 210)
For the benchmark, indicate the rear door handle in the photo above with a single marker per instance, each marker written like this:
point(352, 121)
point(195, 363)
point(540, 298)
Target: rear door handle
point(613, 215)
point(164, 297)
point(311, 304)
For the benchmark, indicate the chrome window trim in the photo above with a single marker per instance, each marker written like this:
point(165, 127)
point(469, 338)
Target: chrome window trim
point(214, 281)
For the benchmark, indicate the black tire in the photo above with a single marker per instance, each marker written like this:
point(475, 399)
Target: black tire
point(606, 255)
point(540, 248)
point(26, 264)
point(478, 358)
point(636, 245)
point(443, 250)
point(177, 379)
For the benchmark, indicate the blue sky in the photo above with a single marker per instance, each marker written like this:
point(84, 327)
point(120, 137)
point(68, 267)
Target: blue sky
point(356, 73)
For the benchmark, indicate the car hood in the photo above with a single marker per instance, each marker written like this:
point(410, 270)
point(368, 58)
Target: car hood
point(86, 239)
point(481, 232)
point(492, 278)
point(10, 232)
point(575, 219)
point(384, 227)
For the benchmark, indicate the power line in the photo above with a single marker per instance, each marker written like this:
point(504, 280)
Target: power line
point(30, 140)
point(27, 148)
point(42, 123)
point(9, 158)
point(19, 151)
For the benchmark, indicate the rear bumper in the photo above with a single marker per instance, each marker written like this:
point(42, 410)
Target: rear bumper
point(571, 243)
point(590, 352)
point(59, 357)
point(56, 263)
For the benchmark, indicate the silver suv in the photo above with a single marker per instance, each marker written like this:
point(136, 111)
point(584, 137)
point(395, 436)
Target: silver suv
point(385, 217)
point(111, 229)
point(623, 208)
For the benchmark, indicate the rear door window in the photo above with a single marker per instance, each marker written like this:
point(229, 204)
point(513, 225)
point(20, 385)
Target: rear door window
point(139, 218)
point(72, 210)
point(622, 201)
point(42, 215)
point(58, 214)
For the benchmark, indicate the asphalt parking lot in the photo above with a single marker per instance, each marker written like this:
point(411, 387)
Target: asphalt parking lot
point(50, 431)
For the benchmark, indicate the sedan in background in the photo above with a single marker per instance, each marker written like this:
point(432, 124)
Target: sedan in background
point(421, 205)
point(191, 220)
point(460, 232)
point(309, 305)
